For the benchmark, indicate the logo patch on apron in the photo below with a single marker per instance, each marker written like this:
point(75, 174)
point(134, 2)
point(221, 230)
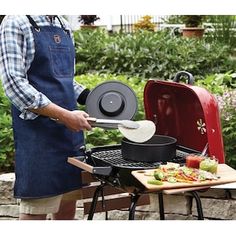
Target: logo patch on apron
point(57, 38)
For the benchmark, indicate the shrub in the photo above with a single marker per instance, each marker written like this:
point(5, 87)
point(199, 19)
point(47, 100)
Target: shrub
point(6, 135)
point(145, 24)
point(193, 20)
point(223, 30)
point(218, 83)
point(149, 54)
point(227, 103)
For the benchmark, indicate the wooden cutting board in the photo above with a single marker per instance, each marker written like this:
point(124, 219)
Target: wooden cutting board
point(226, 173)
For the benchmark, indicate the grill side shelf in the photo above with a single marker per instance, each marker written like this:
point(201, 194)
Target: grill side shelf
point(79, 162)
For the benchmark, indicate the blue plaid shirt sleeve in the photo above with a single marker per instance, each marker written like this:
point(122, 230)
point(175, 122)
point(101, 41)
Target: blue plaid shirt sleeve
point(16, 54)
point(16, 48)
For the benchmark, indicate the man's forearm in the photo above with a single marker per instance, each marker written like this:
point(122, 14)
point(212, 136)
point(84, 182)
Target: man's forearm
point(73, 120)
point(53, 111)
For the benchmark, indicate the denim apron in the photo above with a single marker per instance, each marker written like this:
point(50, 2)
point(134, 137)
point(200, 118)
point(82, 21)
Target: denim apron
point(42, 145)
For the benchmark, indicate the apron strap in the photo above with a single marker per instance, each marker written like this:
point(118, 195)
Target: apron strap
point(62, 25)
point(36, 27)
point(33, 23)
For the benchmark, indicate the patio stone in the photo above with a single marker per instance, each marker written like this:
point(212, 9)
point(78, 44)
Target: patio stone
point(9, 210)
point(6, 189)
point(217, 209)
point(178, 204)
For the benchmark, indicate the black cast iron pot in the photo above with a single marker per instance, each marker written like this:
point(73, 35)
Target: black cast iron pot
point(159, 148)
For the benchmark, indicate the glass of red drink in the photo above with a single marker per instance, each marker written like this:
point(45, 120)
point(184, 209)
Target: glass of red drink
point(193, 161)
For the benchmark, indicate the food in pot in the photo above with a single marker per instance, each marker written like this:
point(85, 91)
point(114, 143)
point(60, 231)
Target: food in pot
point(209, 165)
point(193, 161)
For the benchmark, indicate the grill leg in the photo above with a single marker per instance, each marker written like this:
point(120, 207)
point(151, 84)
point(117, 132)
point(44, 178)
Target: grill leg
point(104, 205)
point(198, 204)
point(161, 206)
point(94, 202)
point(134, 199)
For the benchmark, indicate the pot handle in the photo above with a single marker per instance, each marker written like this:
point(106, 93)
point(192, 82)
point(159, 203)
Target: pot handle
point(79, 162)
point(184, 73)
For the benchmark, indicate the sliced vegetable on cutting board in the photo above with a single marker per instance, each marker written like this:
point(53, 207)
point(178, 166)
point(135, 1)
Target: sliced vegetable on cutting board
point(173, 173)
point(225, 174)
point(154, 181)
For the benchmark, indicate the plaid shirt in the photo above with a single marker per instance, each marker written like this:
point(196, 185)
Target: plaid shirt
point(16, 55)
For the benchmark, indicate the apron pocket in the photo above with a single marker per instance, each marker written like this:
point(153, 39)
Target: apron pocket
point(61, 61)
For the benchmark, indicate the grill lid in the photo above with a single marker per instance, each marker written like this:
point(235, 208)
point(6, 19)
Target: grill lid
point(186, 112)
point(112, 100)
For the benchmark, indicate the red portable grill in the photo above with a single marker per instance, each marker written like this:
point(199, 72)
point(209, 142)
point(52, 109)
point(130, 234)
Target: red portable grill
point(186, 112)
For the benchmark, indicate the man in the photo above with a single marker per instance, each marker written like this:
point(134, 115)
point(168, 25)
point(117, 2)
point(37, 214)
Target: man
point(37, 68)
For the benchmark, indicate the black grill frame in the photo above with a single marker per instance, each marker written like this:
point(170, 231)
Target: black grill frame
point(119, 175)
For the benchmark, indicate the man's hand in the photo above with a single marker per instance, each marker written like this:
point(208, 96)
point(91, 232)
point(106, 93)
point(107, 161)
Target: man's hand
point(73, 120)
point(76, 121)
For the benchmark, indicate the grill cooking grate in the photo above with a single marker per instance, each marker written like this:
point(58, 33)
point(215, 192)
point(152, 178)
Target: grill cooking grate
point(114, 158)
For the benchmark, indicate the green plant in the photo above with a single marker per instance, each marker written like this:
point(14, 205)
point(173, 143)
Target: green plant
point(6, 134)
point(192, 20)
point(90, 47)
point(149, 54)
point(222, 30)
point(227, 104)
point(218, 83)
point(88, 19)
point(173, 19)
point(188, 20)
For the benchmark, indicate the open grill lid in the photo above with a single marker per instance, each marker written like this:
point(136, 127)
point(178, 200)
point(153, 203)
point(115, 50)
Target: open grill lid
point(186, 112)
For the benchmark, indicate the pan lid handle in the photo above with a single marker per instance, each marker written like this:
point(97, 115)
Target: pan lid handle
point(186, 74)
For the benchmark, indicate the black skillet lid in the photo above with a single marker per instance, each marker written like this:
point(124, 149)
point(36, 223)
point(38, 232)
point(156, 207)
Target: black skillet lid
point(112, 100)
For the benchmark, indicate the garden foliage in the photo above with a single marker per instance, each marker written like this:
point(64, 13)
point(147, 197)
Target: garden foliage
point(149, 55)
point(6, 134)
